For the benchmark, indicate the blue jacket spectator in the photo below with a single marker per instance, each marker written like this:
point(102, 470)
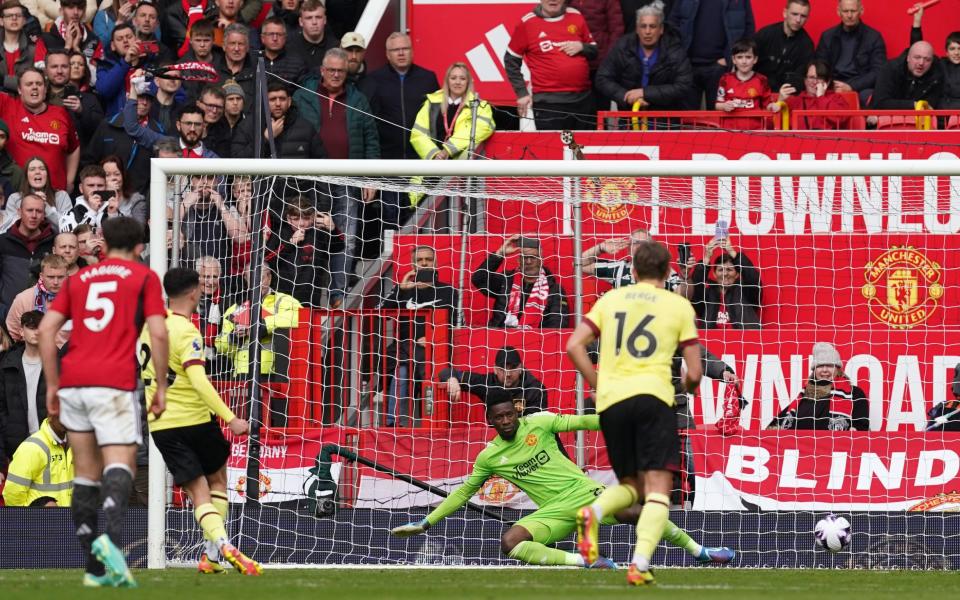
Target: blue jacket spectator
point(146, 137)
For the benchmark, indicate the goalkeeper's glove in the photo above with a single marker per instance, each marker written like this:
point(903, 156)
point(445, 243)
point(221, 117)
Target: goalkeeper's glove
point(411, 529)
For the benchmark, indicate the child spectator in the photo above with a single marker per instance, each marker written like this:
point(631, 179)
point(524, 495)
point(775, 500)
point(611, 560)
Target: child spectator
point(743, 88)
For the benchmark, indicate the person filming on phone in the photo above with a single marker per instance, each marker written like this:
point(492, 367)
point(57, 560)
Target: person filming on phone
point(817, 94)
point(618, 272)
point(419, 289)
point(529, 297)
point(91, 205)
point(729, 294)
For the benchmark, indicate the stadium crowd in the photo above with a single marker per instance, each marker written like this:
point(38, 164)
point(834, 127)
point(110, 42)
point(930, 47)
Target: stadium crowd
point(80, 118)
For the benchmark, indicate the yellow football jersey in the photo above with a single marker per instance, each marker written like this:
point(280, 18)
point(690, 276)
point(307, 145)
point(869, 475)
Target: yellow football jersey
point(640, 327)
point(184, 405)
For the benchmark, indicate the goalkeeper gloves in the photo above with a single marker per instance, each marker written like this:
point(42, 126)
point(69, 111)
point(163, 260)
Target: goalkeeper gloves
point(411, 529)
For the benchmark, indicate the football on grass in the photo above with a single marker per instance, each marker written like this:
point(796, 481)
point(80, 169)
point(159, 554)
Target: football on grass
point(833, 533)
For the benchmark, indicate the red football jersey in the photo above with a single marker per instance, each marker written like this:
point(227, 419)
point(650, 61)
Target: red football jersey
point(108, 302)
point(752, 94)
point(535, 40)
point(49, 135)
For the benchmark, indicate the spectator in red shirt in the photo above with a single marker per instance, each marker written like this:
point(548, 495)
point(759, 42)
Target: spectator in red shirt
point(17, 49)
point(817, 94)
point(38, 129)
point(557, 46)
point(743, 88)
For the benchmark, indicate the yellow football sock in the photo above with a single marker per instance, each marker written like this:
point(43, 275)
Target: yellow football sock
point(210, 522)
point(650, 527)
point(219, 500)
point(613, 499)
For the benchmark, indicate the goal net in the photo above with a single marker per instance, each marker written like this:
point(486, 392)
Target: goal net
point(377, 345)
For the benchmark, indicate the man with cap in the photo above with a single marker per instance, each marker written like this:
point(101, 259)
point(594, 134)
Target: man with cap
point(11, 175)
point(356, 48)
point(829, 400)
point(529, 395)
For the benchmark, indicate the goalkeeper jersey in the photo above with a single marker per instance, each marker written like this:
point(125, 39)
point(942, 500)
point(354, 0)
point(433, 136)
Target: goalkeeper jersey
point(532, 461)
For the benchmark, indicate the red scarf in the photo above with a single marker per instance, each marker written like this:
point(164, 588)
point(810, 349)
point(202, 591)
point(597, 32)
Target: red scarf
point(536, 303)
point(194, 14)
point(733, 403)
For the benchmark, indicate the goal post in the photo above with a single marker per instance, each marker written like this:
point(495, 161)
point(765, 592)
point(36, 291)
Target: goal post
point(881, 280)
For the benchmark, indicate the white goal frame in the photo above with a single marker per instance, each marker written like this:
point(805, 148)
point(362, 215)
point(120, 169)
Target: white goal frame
point(162, 168)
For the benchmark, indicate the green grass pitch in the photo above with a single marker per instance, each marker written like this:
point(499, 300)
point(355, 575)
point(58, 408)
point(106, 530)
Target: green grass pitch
point(493, 584)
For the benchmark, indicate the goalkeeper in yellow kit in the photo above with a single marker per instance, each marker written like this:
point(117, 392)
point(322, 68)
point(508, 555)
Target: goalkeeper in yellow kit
point(525, 452)
point(187, 435)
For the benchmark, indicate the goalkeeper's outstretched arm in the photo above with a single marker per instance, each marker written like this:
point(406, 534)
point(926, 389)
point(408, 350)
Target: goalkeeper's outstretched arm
point(451, 503)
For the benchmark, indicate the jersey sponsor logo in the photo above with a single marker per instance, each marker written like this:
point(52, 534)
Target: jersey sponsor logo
point(497, 490)
point(531, 465)
point(118, 270)
point(912, 285)
point(40, 137)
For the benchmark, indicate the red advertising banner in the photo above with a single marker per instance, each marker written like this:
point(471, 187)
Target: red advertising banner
point(826, 471)
point(752, 206)
point(477, 32)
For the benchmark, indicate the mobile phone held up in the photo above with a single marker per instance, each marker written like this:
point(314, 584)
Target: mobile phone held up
point(722, 230)
point(683, 254)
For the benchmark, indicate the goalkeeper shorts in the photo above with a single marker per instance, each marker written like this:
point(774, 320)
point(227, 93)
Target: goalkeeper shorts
point(555, 521)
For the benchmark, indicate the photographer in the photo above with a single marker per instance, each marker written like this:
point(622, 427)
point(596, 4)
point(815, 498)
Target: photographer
point(204, 230)
point(419, 288)
point(526, 298)
point(731, 298)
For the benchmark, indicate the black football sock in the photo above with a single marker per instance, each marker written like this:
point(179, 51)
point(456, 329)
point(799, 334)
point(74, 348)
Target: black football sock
point(86, 498)
point(117, 483)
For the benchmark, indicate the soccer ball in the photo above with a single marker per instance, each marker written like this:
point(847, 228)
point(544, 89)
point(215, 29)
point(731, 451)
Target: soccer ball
point(833, 533)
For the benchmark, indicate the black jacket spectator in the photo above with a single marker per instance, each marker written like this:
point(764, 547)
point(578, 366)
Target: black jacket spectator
point(396, 100)
point(312, 54)
point(17, 255)
point(13, 403)
point(825, 405)
point(556, 313)
point(246, 77)
point(737, 23)
point(898, 89)
point(782, 59)
point(670, 81)
point(288, 66)
point(438, 295)
point(219, 138)
point(742, 299)
point(298, 139)
point(534, 393)
point(111, 139)
point(303, 270)
point(869, 54)
point(205, 234)
point(87, 120)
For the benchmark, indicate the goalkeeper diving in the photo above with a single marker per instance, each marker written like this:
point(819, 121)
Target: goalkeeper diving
point(525, 452)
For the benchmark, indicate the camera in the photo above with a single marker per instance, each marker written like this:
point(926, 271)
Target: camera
point(426, 276)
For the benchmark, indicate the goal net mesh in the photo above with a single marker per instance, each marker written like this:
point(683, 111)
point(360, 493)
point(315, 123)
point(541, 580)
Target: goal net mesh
point(368, 329)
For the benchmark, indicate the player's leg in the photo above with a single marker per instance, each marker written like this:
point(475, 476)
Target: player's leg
point(212, 450)
point(86, 499)
point(115, 417)
point(210, 559)
point(657, 444)
point(531, 538)
point(88, 466)
point(672, 534)
point(616, 425)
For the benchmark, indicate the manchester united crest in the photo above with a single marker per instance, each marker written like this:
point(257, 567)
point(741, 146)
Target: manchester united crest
point(606, 198)
point(531, 440)
point(902, 287)
point(497, 490)
point(572, 29)
point(54, 125)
